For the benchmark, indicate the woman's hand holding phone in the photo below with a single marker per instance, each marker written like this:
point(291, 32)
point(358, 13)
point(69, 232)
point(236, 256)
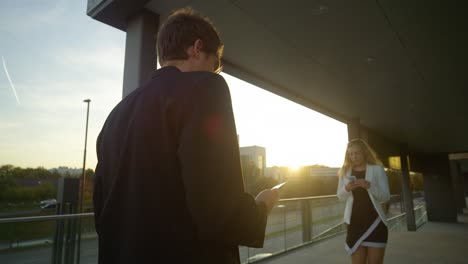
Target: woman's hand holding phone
point(352, 183)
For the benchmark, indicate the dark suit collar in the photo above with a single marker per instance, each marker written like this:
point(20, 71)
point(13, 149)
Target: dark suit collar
point(165, 69)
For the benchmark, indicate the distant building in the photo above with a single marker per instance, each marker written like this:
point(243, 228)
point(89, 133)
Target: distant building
point(253, 161)
point(255, 155)
point(280, 174)
point(312, 180)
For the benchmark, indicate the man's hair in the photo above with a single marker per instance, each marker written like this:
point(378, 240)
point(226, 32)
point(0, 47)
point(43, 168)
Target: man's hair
point(180, 31)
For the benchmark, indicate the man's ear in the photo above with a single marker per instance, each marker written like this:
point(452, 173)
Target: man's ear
point(197, 47)
point(191, 51)
point(195, 50)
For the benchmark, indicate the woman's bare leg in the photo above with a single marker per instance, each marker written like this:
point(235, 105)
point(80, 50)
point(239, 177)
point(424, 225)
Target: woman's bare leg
point(360, 256)
point(375, 255)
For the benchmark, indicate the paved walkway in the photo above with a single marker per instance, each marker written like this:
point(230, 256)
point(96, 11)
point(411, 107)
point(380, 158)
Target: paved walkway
point(437, 243)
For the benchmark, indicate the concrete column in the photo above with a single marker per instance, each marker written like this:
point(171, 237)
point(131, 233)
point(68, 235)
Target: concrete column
point(353, 128)
point(457, 184)
point(356, 130)
point(140, 50)
point(465, 183)
point(364, 133)
point(406, 188)
point(438, 189)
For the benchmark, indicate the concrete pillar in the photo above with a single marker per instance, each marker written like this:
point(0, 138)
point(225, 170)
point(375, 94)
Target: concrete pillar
point(140, 50)
point(438, 189)
point(406, 188)
point(356, 130)
point(457, 184)
point(364, 133)
point(465, 183)
point(353, 128)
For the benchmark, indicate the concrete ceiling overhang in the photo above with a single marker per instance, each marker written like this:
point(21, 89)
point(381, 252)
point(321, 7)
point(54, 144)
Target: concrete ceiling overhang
point(395, 65)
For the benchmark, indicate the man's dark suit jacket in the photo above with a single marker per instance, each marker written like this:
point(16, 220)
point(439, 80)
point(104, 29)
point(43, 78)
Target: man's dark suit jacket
point(169, 186)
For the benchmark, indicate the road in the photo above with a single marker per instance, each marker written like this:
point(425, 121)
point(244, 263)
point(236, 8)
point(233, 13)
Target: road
point(42, 255)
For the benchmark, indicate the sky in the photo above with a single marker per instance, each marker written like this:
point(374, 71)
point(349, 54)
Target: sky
point(54, 56)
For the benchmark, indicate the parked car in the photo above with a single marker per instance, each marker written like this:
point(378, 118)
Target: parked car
point(49, 206)
point(48, 201)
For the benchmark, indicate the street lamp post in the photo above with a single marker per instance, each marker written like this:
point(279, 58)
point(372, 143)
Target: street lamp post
point(83, 174)
point(83, 181)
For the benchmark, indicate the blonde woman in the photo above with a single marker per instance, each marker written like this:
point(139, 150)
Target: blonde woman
point(363, 184)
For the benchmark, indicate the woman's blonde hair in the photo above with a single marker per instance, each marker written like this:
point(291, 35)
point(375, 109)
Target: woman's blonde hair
point(369, 155)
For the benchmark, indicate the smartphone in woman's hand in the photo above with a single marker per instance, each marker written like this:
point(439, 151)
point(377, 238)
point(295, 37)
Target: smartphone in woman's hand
point(351, 178)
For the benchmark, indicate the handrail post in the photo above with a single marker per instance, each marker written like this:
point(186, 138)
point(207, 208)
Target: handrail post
point(306, 221)
point(58, 238)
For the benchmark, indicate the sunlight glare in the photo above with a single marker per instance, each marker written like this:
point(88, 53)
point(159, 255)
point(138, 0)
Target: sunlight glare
point(292, 134)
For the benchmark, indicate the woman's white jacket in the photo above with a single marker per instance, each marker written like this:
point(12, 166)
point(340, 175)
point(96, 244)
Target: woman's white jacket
point(378, 191)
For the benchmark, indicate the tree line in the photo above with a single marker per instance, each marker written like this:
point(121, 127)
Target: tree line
point(34, 184)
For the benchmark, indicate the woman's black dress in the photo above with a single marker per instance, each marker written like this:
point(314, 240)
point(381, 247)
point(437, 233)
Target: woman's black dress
point(366, 228)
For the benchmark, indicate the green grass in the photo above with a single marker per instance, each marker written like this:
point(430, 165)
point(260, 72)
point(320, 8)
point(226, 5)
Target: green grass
point(24, 231)
point(10, 207)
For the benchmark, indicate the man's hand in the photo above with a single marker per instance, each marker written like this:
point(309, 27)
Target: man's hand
point(269, 197)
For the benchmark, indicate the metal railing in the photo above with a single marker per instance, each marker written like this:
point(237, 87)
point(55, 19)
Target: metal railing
point(47, 239)
point(398, 222)
point(296, 222)
point(292, 223)
point(43, 218)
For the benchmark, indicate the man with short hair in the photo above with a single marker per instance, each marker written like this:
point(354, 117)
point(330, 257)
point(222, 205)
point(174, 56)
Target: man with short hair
point(169, 186)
